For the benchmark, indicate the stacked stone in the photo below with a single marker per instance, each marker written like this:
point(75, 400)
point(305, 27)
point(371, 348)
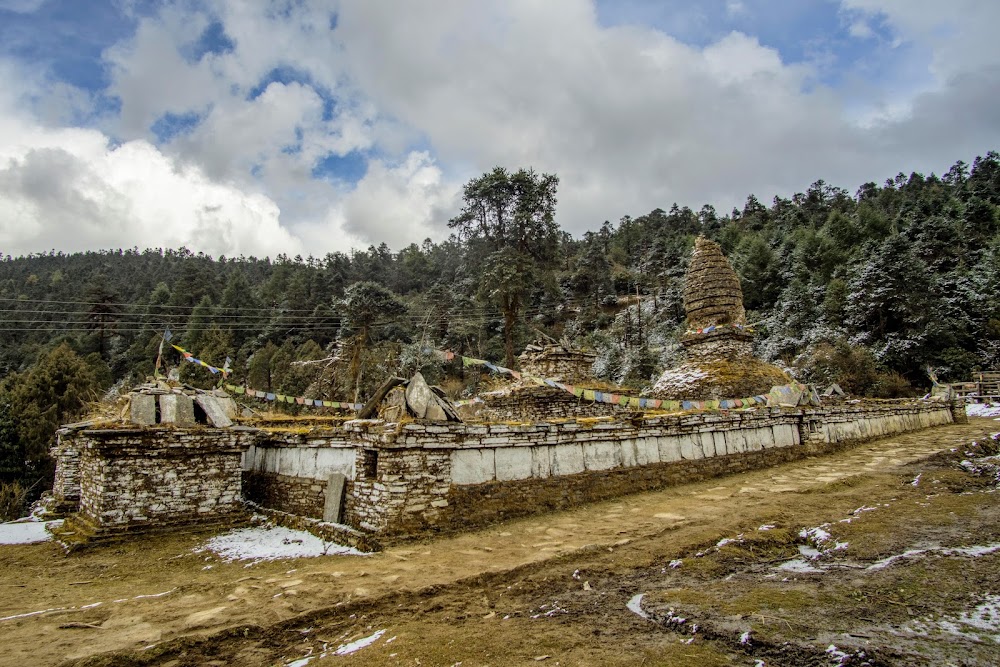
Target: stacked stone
point(557, 362)
point(720, 362)
point(536, 403)
point(712, 292)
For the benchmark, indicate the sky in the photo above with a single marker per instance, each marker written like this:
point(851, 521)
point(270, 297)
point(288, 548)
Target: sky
point(249, 127)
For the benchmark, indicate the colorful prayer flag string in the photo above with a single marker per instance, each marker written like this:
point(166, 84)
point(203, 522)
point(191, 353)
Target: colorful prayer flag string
point(297, 400)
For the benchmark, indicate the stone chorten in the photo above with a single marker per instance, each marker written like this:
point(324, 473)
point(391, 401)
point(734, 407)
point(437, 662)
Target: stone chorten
point(718, 344)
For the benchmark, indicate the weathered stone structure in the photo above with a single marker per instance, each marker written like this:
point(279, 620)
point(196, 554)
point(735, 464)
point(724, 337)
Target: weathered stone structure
point(558, 361)
point(718, 345)
point(536, 403)
point(410, 478)
point(170, 403)
point(133, 480)
point(367, 481)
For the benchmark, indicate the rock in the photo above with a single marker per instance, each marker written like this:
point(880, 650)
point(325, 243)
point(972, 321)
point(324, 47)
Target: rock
point(392, 413)
point(215, 412)
point(176, 409)
point(395, 398)
point(436, 413)
point(334, 497)
point(142, 409)
point(419, 396)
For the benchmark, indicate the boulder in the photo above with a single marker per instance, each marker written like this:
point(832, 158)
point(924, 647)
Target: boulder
point(419, 396)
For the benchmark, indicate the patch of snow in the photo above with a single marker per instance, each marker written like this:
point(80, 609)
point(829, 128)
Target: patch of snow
point(680, 378)
point(982, 410)
point(729, 540)
point(635, 605)
point(26, 531)
point(358, 644)
point(822, 540)
point(34, 613)
point(272, 543)
point(837, 654)
point(550, 610)
point(767, 526)
point(973, 552)
point(978, 624)
point(676, 563)
point(745, 638)
point(799, 566)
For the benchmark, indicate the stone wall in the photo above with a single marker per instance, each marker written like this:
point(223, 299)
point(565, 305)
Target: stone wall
point(66, 485)
point(139, 479)
point(400, 491)
point(405, 479)
point(289, 472)
point(447, 476)
point(558, 364)
point(725, 343)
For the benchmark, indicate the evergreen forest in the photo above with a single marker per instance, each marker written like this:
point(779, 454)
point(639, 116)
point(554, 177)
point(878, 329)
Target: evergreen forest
point(869, 289)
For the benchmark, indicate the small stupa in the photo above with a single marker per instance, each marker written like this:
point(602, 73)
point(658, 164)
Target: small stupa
point(718, 344)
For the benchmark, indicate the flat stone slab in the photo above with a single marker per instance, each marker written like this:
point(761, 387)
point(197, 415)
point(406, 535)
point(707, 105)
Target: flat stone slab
point(176, 409)
point(142, 409)
point(214, 409)
point(334, 497)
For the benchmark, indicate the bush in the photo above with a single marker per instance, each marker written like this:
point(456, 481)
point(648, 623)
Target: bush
point(13, 501)
point(854, 369)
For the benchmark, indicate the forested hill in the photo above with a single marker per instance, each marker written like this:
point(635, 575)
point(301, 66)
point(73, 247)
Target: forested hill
point(866, 288)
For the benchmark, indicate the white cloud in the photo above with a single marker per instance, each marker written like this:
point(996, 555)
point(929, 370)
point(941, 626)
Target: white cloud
point(861, 30)
point(628, 117)
point(21, 6)
point(69, 189)
point(960, 34)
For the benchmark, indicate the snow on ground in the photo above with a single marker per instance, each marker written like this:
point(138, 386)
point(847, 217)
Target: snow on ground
point(681, 378)
point(971, 552)
point(983, 409)
point(978, 624)
point(265, 543)
point(26, 531)
point(343, 649)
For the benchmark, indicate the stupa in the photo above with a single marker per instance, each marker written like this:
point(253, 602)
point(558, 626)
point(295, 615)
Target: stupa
point(718, 344)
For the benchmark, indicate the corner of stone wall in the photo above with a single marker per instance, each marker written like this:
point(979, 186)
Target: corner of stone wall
point(958, 414)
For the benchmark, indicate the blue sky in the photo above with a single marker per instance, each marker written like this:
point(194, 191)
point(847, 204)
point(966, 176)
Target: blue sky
point(318, 125)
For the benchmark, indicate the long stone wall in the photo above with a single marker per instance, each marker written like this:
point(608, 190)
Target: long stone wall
point(392, 480)
point(449, 476)
point(536, 404)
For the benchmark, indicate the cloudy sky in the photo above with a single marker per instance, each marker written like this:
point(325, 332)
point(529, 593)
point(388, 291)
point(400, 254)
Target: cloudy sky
point(310, 126)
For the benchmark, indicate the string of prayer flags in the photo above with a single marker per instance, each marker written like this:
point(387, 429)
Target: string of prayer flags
point(715, 327)
point(298, 400)
point(212, 369)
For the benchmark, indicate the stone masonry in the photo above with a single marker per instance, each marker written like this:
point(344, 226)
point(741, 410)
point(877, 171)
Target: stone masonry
point(141, 479)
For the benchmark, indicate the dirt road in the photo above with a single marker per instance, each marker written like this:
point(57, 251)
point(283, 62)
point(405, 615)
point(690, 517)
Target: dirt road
point(551, 589)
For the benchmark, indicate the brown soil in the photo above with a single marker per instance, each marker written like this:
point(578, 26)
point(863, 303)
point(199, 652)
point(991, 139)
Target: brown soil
point(553, 589)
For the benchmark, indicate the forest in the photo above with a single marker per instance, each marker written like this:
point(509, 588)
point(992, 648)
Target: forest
point(870, 290)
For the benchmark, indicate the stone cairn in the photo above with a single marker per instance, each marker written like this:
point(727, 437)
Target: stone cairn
point(713, 304)
point(557, 361)
point(398, 398)
point(168, 403)
point(718, 345)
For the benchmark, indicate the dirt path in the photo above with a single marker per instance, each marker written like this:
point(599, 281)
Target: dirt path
point(144, 593)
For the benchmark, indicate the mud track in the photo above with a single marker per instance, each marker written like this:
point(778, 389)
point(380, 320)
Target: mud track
point(556, 588)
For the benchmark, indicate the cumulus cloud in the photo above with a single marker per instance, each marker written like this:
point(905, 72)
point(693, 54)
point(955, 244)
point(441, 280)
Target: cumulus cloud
point(629, 117)
point(70, 189)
